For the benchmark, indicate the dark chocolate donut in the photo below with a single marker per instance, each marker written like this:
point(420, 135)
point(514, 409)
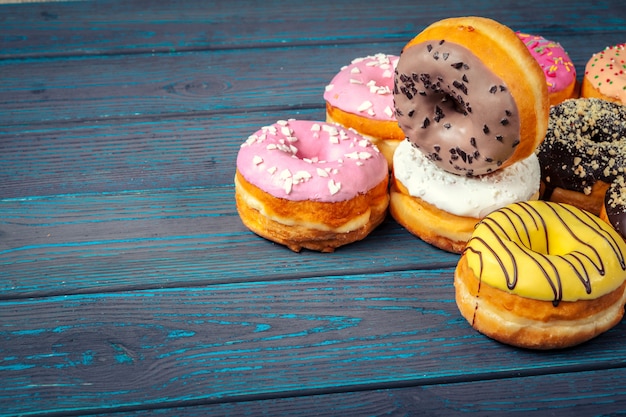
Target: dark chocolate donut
point(586, 144)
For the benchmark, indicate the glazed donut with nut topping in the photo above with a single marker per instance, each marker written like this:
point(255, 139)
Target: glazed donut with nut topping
point(542, 275)
point(360, 97)
point(469, 94)
point(583, 153)
point(313, 185)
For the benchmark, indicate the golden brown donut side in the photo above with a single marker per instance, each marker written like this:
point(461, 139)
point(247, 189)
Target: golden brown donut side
point(431, 224)
point(386, 135)
point(533, 324)
point(592, 202)
point(320, 226)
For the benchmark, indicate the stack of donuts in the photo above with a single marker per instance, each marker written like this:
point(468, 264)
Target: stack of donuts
point(473, 103)
point(480, 141)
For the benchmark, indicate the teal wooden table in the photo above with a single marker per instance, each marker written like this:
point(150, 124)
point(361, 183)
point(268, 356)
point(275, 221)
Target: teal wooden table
point(128, 284)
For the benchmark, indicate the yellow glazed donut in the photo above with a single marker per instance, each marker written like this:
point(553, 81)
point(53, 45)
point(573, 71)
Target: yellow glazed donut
point(542, 275)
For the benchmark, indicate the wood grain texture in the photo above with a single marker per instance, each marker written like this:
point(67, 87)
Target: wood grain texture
point(169, 238)
point(580, 394)
point(128, 284)
point(214, 83)
point(111, 27)
point(228, 342)
point(124, 155)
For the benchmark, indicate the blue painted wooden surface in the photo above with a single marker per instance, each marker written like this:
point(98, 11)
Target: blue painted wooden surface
point(129, 286)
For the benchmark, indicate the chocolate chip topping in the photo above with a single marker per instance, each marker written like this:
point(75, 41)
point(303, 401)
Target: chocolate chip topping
point(434, 83)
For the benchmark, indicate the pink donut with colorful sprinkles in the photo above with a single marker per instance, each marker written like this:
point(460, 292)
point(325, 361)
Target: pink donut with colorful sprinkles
point(556, 65)
point(605, 75)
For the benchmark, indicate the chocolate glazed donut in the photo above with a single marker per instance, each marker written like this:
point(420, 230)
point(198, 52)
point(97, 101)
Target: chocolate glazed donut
point(455, 109)
point(583, 158)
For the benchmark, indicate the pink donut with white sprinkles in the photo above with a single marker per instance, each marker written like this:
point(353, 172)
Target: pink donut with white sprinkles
point(360, 96)
point(309, 160)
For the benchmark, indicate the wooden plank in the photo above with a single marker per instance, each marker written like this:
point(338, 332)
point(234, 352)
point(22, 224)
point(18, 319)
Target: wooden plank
point(123, 155)
point(213, 83)
point(111, 27)
point(153, 239)
point(210, 82)
point(224, 343)
point(580, 394)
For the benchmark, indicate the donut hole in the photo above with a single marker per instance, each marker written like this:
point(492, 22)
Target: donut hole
point(318, 151)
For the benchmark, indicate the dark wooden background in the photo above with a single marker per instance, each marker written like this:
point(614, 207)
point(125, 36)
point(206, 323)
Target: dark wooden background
point(128, 284)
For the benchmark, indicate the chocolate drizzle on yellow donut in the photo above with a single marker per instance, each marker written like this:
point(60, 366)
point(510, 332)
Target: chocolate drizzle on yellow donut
point(524, 225)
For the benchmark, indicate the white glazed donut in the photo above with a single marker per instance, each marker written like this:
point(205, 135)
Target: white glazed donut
point(309, 184)
point(443, 208)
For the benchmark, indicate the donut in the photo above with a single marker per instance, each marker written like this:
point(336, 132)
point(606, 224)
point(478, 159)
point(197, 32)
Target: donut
point(308, 184)
point(613, 211)
point(542, 275)
point(360, 97)
point(470, 95)
point(556, 64)
point(605, 75)
point(584, 151)
point(443, 208)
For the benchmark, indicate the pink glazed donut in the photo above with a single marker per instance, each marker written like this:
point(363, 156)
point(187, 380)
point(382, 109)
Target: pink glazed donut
point(360, 96)
point(556, 65)
point(307, 184)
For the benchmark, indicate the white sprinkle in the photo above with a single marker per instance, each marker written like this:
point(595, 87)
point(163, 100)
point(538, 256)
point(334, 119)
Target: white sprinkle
point(282, 122)
point(358, 155)
point(364, 106)
point(388, 111)
point(257, 160)
point(329, 87)
point(285, 131)
point(272, 170)
point(372, 64)
point(364, 143)
point(355, 70)
point(301, 176)
point(293, 149)
point(371, 112)
point(271, 147)
point(359, 163)
point(288, 185)
point(333, 139)
point(321, 172)
point(285, 174)
point(353, 81)
point(387, 74)
point(333, 186)
point(330, 129)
